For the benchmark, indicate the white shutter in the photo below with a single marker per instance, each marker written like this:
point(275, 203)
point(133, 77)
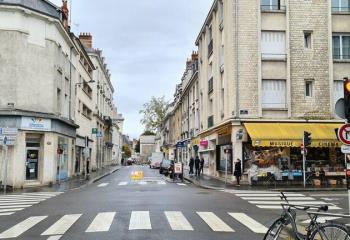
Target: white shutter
point(338, 91)
point(273, 93)
point(273, 45)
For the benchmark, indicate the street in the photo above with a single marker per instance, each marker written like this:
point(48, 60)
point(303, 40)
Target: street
point(154, 208)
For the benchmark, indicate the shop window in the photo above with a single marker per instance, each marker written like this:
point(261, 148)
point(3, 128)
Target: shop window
point(221, 158)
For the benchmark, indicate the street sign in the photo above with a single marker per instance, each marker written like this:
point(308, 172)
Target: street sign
point(345, 149)
point(178, 168)
point(344, 134)
point(8, 131)
point(8, 140)
point(99, 135)
point(94, 131)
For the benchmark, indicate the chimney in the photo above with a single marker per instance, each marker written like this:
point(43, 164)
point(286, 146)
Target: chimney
point(65, 15)
point(194, 56)
point(86, 39)
point(188, 64)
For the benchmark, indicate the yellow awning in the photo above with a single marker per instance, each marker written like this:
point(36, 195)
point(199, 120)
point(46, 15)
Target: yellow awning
point(291, 134)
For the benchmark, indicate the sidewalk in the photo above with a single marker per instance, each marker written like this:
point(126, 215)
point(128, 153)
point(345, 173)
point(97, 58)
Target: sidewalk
point(72, 183)
point(208, 182)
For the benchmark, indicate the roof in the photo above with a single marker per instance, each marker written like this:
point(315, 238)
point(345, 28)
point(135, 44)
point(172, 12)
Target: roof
point(207, 20)
point(42, 6)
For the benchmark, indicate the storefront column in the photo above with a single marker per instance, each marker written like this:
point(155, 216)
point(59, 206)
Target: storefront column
point(48, 150)
point(19, 160)
point(237, 146)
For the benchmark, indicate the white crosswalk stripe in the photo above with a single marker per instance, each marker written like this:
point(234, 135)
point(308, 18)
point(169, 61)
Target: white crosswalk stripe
point(271, 200)
point(103, 185)
point(249, 222)
point(102, 222)
point(139, 220)
point(161, 182)
point(9, 204)
point(214, 222)
point(21, 227)
point(181, 184)
point(178, 221)
point(62, 225)
point(123, 183)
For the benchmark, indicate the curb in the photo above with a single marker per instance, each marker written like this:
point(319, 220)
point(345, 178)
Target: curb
point(102, 176)
point(201, 185)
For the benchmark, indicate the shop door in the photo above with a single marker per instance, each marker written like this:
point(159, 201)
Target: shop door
point(32, 163)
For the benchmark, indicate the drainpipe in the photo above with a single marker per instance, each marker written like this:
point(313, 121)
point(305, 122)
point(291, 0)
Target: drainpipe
point(237, 56)
point(70, 87)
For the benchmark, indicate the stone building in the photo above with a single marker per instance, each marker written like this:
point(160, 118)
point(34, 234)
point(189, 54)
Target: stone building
point(270, 70)
point(147, 146)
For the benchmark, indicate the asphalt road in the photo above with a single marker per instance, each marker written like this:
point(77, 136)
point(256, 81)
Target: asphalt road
point(155, 208)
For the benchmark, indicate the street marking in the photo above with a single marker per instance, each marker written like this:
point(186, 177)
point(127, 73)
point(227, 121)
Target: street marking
point(322, 219)
point(11, 210)
point(280, 207)
point(215, 223)
point(181, 184)
point(277, 198)
point(17, 206)
point(6, 214)
point(22, 197)
point(62, 225)
point(291, 202)
point(249, 222)
point(102, 185)
point(58, 237)
point(178, 222)
point(161, 182)
point(21, 227)
point(102, 222)
point(122, 183)
point(19, 200)
point(18, 203)
point(43, 194)
point(327, 195)
point(140, 220)
point(270, 195)
point(142, 183)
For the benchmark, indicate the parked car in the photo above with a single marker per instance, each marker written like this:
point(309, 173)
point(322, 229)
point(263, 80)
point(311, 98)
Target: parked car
point(165, 166)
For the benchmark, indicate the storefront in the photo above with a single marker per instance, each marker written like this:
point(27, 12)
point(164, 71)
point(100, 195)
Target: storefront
point(272, 154)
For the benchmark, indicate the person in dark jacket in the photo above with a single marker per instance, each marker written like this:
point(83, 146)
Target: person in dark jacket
point(191, 166)
point(201, 166)
point(196, 165)
point(238, 171)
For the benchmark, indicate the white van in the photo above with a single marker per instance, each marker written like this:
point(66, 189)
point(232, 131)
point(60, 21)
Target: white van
point(156, 159)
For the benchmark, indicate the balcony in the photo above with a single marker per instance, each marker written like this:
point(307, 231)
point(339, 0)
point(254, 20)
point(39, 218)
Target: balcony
point(274, 56)
point(273, 8)
point(210, 48)
point(210, 121)
point(341, 10)
point(210, 85)
point(108, 120)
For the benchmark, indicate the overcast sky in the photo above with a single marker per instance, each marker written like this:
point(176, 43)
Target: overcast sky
point(145, 42)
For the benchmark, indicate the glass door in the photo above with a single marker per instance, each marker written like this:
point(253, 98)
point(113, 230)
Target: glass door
point(32, 163)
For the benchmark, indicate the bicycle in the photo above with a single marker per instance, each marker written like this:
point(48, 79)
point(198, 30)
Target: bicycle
point(285, 227)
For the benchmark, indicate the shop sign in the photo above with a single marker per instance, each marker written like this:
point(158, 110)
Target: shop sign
point(34, 123)
point(8, 131)
point(195, 141)
point(295, 143)
point(178, 168)
point(204, 143)
point(180, 144)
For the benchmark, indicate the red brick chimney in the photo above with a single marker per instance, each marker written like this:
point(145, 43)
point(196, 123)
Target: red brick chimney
point(65, 14)
point(194, 56)
point(86, 39)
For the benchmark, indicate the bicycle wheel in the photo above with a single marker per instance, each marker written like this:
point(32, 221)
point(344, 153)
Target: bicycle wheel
point(280, 231)
point(331, 231)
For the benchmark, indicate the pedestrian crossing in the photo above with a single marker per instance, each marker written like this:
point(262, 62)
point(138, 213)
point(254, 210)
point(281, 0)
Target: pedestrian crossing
point(11, 203)
point(138, 220)
point(142, 182)
point(271, 200)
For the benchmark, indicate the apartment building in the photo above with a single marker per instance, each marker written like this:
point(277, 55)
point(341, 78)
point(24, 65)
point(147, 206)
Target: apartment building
point(269, 70)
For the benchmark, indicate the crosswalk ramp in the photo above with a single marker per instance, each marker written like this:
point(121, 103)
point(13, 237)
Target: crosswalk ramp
point(11, 203)
point(138, 220)
point(272, 200)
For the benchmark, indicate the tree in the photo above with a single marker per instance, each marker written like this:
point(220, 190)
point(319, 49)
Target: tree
point(153, 113)
point(126, 150)
point(148, 133)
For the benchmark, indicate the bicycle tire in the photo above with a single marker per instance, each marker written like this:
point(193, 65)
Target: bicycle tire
point(279, 231)
point(331, 231)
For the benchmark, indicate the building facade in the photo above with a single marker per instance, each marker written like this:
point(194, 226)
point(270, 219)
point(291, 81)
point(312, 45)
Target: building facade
point(117, 137)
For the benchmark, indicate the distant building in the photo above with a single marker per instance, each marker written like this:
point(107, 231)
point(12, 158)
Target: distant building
point(147, 146)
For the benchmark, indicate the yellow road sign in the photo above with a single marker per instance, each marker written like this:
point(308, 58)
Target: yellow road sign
point(137, 175)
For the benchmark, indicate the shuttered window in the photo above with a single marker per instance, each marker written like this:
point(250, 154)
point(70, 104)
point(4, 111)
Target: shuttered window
point(338, 90)
point(274, 93)
point(273, 45)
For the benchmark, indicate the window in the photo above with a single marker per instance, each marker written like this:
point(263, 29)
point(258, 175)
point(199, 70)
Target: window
point(59, 103)
point(86, 112)
point(66, 106)
point(270, 5)
point(308, 88)
point(222, 96)
point(273, 45)
point(222, 51)
point(273, 93)
point(210, 85)
point(307, 39)
point(221, 13)
point(338, 90)
point(340, 5)
point(341, 46)
point(210, 44)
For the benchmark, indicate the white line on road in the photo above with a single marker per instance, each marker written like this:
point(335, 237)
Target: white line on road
point(278, 198)
point(280, 207)
point(19, 200)
point(6, 214)
point(123, 183)
point(102, 185)
point(142, 183)
point(57, 237)
point(22, 197)
point(62, 225)
point(249, 222)
point(322, 219)
point(17, 206)
point(21, 227)
point(102, 222)
point(140, 220)
point(11, 210)
point(270, 195)
point(214, 222)
point(181, 184)
point(291, 202)
point(19, 203)
point(178, 222)
point(328, 195)
point(161, 182)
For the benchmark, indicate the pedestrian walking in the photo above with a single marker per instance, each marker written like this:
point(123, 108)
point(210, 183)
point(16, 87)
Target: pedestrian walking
point(191, 166)
point(238, 172)
point(201, 166)
point(196, 165)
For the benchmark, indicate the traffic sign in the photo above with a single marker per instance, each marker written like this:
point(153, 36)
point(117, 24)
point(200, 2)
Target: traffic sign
point(344, 134)
point(8, 140)
point(8, 131)
point(345, 149)
point(178, 168)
